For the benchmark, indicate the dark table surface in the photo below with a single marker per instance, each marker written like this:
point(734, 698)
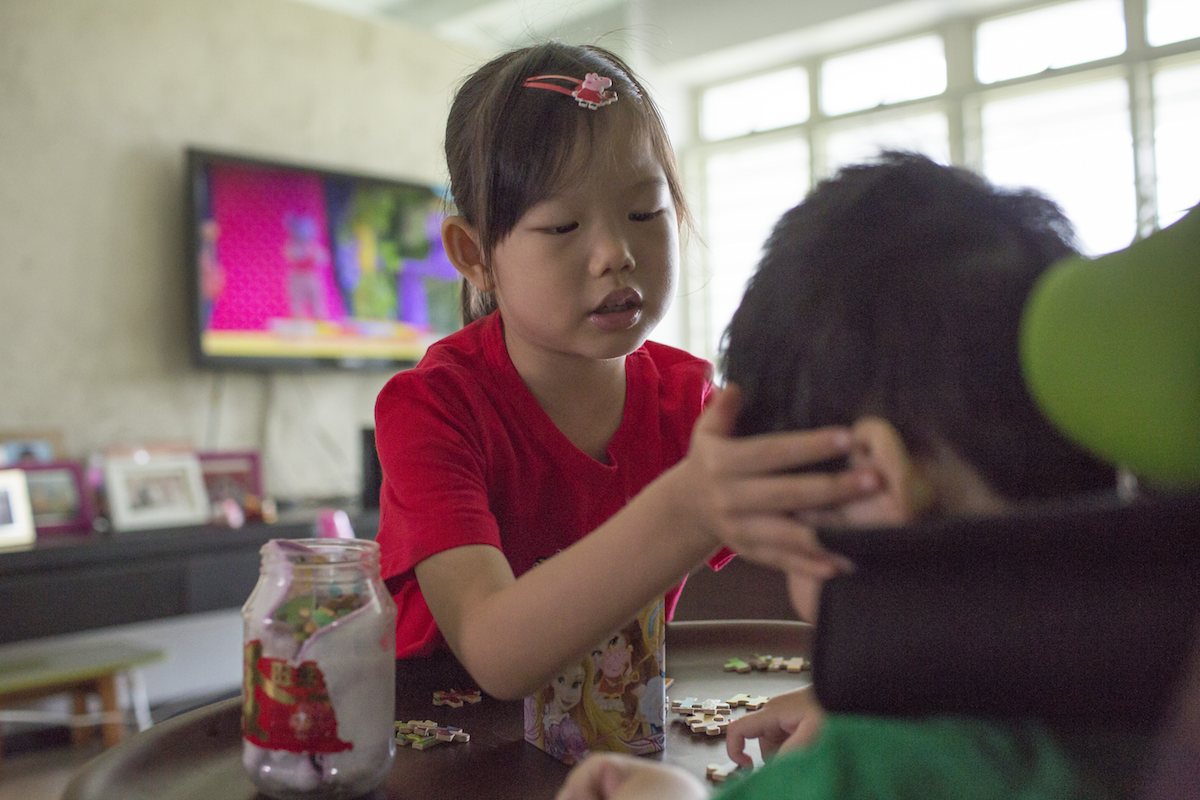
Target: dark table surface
point(197, 756)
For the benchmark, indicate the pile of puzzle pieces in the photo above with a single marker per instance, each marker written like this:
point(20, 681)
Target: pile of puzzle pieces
point(768, 664)
point(423, 734)
point(708, 716)
point(712, 716)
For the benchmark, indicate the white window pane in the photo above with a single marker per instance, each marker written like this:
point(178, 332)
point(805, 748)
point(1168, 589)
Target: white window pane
point(1075, 146)
point(1172, 21)
point(1176, 139)
point(890, 74)
point(1048, 38)
point(762, 103)
point(745, 194)
point(928, 134)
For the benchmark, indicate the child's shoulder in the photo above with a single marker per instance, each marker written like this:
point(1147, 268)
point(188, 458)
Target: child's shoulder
point(680, 382)
point(665, 358)
point(453, 365)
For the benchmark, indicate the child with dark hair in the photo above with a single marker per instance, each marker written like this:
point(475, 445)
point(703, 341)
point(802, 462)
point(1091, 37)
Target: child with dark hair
point(889, 301)
point(549, 431)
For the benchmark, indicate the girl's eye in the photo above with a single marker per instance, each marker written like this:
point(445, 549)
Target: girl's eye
point(561, 229)
point(646, 216)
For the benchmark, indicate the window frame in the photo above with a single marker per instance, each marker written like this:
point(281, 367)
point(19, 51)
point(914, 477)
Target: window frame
point(961, 102)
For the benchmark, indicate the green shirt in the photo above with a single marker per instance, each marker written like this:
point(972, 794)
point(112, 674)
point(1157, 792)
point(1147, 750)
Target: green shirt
point(943, 757)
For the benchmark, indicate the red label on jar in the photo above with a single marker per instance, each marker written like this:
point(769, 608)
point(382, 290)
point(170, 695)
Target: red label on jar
point(287, 707)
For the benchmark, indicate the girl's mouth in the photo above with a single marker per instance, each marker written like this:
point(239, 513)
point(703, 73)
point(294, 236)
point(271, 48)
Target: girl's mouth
point(618, 311)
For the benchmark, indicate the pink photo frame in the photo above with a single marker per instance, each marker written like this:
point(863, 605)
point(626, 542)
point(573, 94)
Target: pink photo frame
point(58, 497)
point(231, 475)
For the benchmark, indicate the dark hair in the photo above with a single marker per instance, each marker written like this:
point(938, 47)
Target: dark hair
point(508, 146)
point(896, 289)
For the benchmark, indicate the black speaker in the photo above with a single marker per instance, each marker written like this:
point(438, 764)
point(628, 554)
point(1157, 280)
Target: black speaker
point(371, 470)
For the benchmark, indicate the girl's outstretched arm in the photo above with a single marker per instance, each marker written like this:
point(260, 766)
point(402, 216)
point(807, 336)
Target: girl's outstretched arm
point(513, 635)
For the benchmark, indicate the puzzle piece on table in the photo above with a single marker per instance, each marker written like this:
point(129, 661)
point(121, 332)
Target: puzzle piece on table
point(751, 703)
point(686, 705)
point(737, 665)
point(444, 733)
point(693, 706)
point(416, 741)
point(796, 664)
point(711, 724)
point(717, 773)
point(455, 698)
point(761, 663)
point(413, 724)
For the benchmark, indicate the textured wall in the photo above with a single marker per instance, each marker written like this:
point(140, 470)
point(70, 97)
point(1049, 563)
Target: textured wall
point(98, 99)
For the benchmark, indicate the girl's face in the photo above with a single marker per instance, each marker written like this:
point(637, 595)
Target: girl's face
point(568, 687)
point(588, 272)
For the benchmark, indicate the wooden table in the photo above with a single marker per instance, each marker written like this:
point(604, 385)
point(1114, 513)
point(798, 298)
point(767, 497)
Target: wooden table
point(197, 756)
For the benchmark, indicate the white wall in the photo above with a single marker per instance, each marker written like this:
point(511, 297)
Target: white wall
point(98, 99)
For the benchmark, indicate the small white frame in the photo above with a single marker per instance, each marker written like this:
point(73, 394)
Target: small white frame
point(16, 514)
point(158, 491)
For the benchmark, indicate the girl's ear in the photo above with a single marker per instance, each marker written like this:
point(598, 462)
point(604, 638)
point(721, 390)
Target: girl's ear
point(905, 491)
point(461, 242)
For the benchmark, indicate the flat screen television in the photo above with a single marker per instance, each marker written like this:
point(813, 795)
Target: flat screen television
point(295, 267)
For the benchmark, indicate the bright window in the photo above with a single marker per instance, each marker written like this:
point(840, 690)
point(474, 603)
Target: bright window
point(893, 73)
point(1073, 144)
point(761, 103)
point(1048, 38)
point(1177, 140)
point(746, 192)
point(1170, 21)
point(926, 133)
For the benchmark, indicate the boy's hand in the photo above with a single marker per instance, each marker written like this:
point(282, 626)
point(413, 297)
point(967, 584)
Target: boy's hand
point(786, 722)
point(744, 497)
point(609, 776)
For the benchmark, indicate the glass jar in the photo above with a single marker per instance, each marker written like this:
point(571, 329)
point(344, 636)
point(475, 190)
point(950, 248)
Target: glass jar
point(318, 689)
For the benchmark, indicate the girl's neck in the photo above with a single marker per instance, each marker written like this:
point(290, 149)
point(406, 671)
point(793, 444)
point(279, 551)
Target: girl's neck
point(584, 397)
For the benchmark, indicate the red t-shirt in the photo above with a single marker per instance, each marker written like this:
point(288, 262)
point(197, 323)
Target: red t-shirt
point(469, 457)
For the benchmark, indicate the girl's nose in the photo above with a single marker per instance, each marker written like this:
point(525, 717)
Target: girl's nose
point(611, 251)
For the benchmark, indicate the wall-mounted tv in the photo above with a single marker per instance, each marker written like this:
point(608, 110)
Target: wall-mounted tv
point(295, 267)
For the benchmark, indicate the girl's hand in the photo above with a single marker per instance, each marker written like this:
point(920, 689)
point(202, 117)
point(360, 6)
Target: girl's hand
point(742, 493)
point(786, 722)
point(609, 776)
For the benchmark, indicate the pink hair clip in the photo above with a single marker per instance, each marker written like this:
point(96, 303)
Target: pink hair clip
point(591, 92)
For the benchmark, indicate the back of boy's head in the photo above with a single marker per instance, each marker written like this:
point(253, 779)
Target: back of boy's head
point(896, 290)
point(508, 146)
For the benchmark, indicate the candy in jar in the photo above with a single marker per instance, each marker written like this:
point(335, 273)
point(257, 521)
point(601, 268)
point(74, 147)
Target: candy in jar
point(318, 690)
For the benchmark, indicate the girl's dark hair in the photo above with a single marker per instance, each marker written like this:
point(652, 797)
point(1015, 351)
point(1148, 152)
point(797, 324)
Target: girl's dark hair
point(896, 289)
point(509, 146)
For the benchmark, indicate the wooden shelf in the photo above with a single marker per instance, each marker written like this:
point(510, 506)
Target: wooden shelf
point(68, 583)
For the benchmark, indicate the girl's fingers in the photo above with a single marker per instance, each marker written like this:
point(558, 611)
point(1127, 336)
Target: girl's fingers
point(780, 452)
point(784, 543)
point(799, 493)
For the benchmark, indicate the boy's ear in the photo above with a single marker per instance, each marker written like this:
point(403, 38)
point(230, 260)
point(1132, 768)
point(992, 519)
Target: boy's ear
point(461, 242)
point(905, 491)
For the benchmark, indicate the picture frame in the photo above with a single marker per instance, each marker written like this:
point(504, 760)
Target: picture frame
point(231, 475)
point(161, 491)
point(58, 497)
point(16, 518)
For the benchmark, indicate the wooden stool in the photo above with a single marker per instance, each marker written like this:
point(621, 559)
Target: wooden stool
point(37, 671)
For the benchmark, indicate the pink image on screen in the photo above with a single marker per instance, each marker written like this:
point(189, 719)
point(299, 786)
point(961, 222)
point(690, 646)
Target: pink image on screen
point(257, 209)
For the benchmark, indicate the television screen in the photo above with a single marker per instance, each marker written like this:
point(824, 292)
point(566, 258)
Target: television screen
point(297, 267)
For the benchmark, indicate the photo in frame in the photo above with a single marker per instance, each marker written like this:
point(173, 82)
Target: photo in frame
point(231, 475)
point(16, 518)
point(155, 492)
point(58, 497)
